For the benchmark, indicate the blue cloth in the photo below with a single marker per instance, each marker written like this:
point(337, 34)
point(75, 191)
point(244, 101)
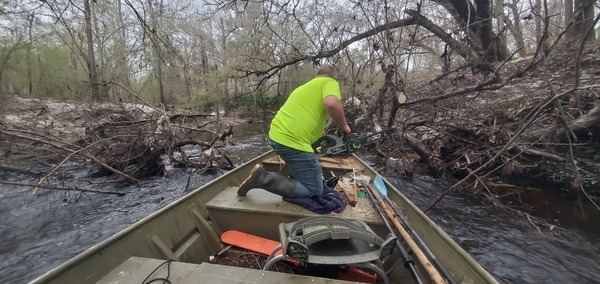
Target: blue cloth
point(330, 201)
point(304, 167)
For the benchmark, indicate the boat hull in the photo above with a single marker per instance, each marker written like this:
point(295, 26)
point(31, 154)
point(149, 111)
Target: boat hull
point(188, 230)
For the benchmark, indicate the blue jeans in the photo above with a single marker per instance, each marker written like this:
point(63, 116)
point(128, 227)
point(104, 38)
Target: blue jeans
point(305, 169)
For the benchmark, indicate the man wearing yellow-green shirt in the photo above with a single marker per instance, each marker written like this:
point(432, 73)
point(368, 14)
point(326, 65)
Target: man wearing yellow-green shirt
point(298, 124)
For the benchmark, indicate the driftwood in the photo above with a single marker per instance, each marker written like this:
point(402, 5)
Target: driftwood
point(66, 147)
point(510, 126)
point(127, 142)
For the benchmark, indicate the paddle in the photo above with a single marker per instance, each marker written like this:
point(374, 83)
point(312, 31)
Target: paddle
point(408, 262)
point(379, 184)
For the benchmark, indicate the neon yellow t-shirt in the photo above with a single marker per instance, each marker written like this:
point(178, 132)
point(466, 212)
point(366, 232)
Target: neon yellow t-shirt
point(302, 119)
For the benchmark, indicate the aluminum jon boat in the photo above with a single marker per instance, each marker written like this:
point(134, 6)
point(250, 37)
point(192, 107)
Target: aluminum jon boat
point(184, 241)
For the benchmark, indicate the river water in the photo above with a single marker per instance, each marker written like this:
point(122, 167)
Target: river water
point(39, 232)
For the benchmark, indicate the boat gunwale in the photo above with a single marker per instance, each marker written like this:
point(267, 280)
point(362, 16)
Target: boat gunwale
point(436, 228)
point(91, 251)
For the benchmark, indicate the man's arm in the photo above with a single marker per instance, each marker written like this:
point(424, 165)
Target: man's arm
point(334, 107)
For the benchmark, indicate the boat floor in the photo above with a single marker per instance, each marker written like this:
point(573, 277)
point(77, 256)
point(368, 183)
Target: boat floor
point(141, 270)
point(343, 163)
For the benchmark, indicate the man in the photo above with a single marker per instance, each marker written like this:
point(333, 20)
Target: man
point(298, 124)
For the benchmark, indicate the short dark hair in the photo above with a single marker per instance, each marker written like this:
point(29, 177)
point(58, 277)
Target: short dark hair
point(326, 70)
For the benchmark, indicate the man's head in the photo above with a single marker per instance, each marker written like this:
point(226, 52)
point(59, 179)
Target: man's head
point(326, 70)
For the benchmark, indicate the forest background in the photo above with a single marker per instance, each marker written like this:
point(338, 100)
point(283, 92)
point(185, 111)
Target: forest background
point(499, 96)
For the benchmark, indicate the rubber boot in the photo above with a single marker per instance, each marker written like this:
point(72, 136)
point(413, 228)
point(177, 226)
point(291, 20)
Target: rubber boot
point(332, 181)
point(271, 182)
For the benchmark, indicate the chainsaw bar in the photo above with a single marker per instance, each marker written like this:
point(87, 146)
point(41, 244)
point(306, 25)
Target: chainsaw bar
point(333, 145)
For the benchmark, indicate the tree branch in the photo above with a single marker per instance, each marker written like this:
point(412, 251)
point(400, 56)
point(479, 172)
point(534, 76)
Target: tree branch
point(392, 25)
point(463, 50)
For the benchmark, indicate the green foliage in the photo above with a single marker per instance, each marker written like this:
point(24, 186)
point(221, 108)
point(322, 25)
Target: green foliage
point(58, 74)
point(207, 106)
point(242, 101)
point(246, 114)
point(149, 88)
point(271, 102)
point(53, 73)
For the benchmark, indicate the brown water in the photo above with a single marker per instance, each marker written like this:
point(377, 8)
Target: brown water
point(38, 233)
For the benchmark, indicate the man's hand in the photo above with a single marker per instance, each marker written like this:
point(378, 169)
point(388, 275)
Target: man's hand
point(346, 129)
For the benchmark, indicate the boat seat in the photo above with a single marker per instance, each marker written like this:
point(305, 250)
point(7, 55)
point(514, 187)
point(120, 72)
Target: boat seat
point(231, 212)
point(332, 241)
point(138, 269)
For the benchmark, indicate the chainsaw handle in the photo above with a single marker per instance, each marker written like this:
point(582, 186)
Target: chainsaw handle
point(326, 143)
point(348, 143)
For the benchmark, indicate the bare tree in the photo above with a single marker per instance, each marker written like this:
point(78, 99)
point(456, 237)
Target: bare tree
point(568, 18)
point(513, 26)
point(476, 20)
point(155, 14)
point(536, 12)
point(31, 18)
point(91, 56)
point(584, 20)
point(120, 51)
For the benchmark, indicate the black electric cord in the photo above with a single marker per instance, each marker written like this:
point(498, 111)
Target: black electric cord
point(166, 279)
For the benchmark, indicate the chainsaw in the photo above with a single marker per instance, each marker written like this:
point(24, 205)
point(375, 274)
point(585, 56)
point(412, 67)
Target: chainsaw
point(334, 145)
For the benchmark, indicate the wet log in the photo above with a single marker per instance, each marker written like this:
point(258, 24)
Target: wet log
point(585, 127)
point(433, 163)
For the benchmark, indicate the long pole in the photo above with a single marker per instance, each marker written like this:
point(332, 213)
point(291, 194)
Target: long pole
point(408, 261)
point(351, 201)
point(431, 270)
point(420, 242)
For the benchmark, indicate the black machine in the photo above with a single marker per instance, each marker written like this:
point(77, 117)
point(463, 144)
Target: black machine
point(334, 145)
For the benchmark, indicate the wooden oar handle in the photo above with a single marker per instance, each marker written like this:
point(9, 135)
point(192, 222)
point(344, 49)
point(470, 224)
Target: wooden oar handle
point(351, 200)
point(435, 275)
